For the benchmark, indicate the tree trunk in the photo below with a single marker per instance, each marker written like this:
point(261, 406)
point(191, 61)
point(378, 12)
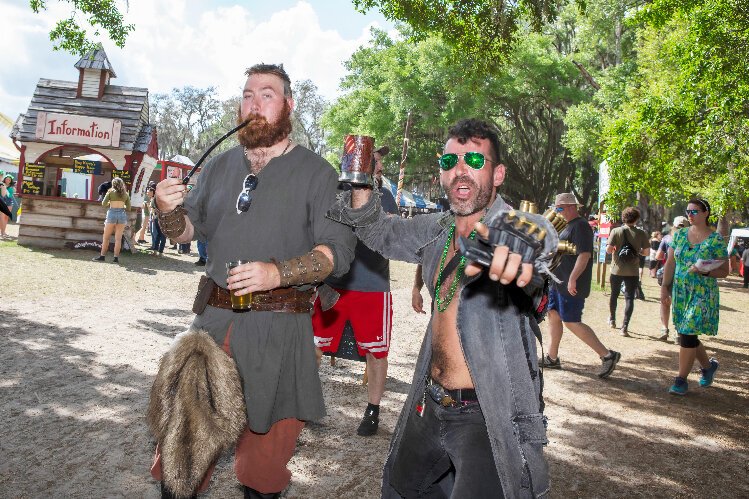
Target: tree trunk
point(724, 225)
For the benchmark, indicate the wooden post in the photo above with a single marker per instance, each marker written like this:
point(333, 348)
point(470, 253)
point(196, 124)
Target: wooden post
point(404, 155)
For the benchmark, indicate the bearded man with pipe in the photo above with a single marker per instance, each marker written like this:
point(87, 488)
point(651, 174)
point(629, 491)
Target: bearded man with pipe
point(264, 202)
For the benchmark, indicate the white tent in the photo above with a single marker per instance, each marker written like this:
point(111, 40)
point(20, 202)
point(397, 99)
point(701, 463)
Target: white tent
point(735, 234)
point(408, 199)
point(178, 158)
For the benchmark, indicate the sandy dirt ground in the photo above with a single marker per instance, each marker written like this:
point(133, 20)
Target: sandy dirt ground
point(80, 343)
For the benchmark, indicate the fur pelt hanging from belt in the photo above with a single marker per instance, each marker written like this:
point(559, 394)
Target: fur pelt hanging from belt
point(196, 409)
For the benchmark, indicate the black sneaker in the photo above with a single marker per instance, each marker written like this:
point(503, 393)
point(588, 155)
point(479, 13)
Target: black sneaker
point(369, 424)
point(200, 262)
point(550, 364)
point(116, 259)
point(608, 364)
point(99, 258)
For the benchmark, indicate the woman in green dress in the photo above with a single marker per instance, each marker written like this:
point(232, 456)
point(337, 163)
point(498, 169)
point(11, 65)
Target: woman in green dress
point(694, 291)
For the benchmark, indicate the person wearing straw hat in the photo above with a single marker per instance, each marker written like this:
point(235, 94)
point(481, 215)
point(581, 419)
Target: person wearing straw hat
point(567, 299)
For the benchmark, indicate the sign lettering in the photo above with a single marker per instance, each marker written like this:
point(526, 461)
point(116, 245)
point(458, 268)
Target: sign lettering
point(73, 129)
point(31, 187)
point(123, 174)
point(33, 170)
point(87, 167)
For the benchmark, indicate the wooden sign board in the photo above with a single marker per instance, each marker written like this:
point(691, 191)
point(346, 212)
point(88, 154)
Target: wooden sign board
point(33, 170)
point(87, 167)
point(74, 129)
point(123, 174)
point(32, 186)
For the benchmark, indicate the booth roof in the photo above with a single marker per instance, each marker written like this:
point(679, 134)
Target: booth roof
point(127, 104)
point(96, 60)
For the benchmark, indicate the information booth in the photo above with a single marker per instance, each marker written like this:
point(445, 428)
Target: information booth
point(74, 137)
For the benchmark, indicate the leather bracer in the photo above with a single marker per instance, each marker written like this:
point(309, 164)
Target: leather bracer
point(173, 223)
point(311, 268)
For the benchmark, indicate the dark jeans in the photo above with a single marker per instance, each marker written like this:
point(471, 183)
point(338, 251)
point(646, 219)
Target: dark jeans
point(746, 276)
point(158, 239)
point(446, 453)
point(630, 289)
point(203, 250)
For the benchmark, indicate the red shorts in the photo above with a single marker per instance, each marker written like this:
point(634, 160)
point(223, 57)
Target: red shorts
point(371, 316)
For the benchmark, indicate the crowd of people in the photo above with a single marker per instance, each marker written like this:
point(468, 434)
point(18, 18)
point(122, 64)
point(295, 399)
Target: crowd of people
point(314, 257)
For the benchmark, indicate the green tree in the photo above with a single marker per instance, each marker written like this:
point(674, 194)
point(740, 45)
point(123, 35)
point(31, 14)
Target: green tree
point(485, 29)
point(526, 99)
point(70, 34)
point(184, 121)
point(670, 114)
point(309, 107)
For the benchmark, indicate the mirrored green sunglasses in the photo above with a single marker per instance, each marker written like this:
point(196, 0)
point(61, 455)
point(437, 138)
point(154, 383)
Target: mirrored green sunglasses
point(475, 160)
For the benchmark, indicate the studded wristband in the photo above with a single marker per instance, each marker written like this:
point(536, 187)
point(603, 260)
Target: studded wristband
point(173, 223)
point(311, 268)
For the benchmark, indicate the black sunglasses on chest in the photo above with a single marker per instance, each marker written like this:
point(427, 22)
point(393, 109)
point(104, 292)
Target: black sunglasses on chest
point(244, 200)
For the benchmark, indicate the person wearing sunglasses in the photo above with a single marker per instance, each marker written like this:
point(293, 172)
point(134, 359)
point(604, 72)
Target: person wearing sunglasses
point(694, 292)
point(472, 425)
point(625, 265)
point(567, 299)
point(263, 201)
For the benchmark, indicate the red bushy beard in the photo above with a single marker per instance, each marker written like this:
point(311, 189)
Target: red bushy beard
point(260, 132)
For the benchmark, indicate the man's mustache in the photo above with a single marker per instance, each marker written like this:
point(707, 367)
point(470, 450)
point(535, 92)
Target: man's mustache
point(463, 179)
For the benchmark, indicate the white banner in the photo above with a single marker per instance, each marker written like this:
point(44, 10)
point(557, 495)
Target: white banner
point(73, 129)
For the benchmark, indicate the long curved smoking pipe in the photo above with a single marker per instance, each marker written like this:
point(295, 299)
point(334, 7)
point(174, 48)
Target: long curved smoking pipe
point(186, 180)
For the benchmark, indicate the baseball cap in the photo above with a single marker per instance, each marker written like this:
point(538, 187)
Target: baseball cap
point(681, 222)
point(383, 151)
point(566, 198)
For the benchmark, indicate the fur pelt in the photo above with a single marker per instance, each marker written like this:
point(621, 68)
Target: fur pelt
point(196, 410)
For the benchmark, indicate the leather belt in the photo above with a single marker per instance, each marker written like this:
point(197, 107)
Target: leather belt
point(451, 398)
point(275, 300)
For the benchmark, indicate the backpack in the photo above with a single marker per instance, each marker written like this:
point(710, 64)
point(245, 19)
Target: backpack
point(627, 253)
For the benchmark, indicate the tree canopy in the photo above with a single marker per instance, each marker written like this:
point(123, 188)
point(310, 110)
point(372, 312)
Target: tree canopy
point(485, 29)
point(525, 99)
point(672, 118)
point(70, 34)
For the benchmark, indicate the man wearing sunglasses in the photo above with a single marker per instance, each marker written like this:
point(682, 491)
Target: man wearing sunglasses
point(472, 425)
point(264, 201)
point(567, 299)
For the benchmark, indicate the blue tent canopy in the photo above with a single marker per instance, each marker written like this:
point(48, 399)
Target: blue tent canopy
point(408, 199)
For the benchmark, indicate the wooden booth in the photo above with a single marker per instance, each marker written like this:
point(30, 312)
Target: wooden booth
point(75, 136)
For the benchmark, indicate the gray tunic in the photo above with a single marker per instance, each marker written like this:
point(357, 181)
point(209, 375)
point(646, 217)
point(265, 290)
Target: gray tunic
point(274, 352)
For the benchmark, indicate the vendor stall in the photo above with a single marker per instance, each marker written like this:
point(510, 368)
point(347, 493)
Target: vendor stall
point(75, 136)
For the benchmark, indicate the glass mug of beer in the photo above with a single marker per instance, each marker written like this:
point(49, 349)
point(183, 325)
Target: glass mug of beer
point(241, 302)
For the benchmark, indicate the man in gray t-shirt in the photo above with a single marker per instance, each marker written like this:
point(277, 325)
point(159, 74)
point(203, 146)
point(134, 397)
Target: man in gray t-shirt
point(263, 202)
point(366, 303)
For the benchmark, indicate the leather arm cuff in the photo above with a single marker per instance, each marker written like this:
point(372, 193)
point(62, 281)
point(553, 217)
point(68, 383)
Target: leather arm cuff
point(311, 268)
point(173, 223)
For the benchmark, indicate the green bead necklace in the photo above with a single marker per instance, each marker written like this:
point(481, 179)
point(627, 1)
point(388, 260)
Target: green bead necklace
point(442, 305)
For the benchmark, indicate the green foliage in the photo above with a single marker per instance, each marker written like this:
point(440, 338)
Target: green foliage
point(186, 121)
point(526, 99)
point(484, 29)
point(683, 128)
point(70, 36)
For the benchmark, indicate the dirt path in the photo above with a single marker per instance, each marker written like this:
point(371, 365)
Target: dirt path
point(80, 343)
